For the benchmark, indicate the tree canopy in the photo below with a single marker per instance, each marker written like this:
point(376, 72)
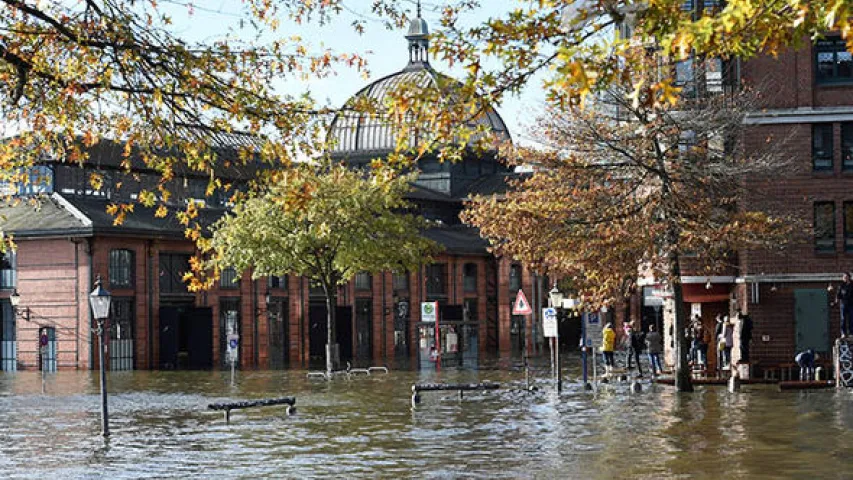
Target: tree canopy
point(323, 223)
point(632, 184)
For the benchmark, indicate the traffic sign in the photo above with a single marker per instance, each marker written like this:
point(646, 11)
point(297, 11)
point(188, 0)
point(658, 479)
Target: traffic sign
point(233, 341)
point(521, 305)
point(43, 340)
point(549, 322)
point(429, 311)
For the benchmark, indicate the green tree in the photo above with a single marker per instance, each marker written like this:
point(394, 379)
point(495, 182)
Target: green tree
point(632, 183)
point(322, 223)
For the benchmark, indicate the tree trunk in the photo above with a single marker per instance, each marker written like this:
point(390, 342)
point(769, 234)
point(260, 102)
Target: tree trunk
point(333, 357)
point(682, 367)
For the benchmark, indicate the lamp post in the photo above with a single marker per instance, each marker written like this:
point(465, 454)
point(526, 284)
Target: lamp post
point(99, 300)
point(555, 297)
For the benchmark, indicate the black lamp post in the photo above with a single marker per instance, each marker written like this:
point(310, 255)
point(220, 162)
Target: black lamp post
point(100, 300)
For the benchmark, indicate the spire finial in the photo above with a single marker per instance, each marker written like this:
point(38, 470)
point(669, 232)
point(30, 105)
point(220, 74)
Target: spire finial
point(418, 37)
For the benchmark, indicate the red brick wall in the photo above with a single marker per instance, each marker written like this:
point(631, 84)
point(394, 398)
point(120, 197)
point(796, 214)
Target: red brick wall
point(53, 283)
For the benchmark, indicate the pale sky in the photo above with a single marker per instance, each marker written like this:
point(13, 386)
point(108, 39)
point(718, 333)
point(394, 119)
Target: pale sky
point(385, 50)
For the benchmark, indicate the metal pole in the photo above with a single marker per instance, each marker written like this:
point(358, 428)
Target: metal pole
point(105, 419)
point(526, 363)
point(557, 359)
point(232, 369)
point(583, 350)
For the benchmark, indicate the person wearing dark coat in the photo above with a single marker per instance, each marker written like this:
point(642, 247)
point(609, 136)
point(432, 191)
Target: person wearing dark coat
point(638, 343)
point(844, 298)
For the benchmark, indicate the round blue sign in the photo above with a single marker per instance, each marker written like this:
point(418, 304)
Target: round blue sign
point(43, 340)
point(233, 343)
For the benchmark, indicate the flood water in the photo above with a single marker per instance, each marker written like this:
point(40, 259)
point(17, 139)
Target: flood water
point(366, 427)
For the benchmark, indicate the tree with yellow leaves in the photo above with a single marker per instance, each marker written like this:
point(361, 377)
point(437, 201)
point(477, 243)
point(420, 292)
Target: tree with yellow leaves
point(325, 223)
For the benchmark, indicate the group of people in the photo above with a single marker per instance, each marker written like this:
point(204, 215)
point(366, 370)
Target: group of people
point(634, 342)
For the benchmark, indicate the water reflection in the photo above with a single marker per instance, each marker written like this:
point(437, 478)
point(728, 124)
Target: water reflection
point(366, 427)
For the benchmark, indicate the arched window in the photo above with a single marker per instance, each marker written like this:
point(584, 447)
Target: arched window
point(514, 278)
point(469, 277)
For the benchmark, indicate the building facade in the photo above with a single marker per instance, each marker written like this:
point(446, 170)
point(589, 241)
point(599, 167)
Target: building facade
point(69, 240)
point(806, 112)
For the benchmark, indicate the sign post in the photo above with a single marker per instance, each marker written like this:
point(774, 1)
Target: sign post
point(522, 307)
point(233, 344)
point(429, 313)
point(43, 352)
point(551, 330)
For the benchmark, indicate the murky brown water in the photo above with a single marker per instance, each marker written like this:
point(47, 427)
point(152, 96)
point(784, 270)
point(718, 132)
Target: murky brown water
point(365, 427)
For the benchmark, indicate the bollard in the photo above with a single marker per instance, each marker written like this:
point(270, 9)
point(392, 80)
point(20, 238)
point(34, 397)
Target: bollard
point(636, 387)
point(818, 374)
point(587, 386)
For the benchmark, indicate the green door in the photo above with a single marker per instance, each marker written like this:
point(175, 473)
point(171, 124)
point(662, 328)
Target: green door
point(812, 317)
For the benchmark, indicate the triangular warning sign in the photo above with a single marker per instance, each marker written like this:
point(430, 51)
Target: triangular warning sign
point(521, 305)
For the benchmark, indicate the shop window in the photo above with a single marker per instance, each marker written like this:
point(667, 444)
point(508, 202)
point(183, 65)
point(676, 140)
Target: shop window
point(848, 226)
point(469, 277)
point(229, 278)
point(363, 281)
point(8, 274)
point(824, 226)
point(847, 146)
point(400, 281)
point(822, 146)
point(834, 64)
point(121, 268)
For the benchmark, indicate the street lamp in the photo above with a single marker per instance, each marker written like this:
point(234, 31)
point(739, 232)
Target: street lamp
point(99, 300)
point(15, 300)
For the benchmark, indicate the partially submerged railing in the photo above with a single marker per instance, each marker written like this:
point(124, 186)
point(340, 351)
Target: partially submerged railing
point(227, 407)
point(443, 387)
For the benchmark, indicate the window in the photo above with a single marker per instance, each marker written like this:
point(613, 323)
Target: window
point(469, 310)
point(400, 281)
point(172, 270)
point(362, 281)
point(834, 64)
point(436, 280)
point(277, 281)
point(469, 277)
point(822, 146)
point(514, 278)
point(824, 226)
point(121, 269)
point(847, 146)
point(848, 226)
point(8, 275)
point(229, 278)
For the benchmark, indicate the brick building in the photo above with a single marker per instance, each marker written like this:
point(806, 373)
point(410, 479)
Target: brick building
point(807, 110)
point(157, 324)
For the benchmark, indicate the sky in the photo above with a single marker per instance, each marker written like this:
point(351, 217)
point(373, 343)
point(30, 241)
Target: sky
point(386, 51)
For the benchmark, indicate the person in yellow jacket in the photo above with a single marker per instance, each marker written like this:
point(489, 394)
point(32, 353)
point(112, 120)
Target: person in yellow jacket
point(608, 343)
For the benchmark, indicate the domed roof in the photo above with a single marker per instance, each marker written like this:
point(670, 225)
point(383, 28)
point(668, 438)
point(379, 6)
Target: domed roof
point(354, 133)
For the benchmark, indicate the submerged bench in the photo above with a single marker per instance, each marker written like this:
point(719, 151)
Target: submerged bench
point(227, 407)
point(440, 387)
point(806, 385)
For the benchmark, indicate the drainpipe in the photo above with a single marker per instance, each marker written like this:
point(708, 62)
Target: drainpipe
point(150, 262)
point(76, 243)
point(89, 250)
point(255, 316)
